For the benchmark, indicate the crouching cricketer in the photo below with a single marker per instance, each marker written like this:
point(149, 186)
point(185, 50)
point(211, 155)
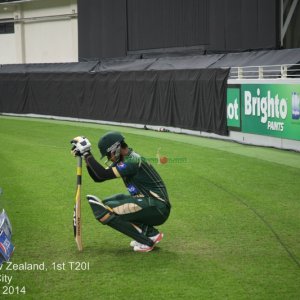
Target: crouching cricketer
point(134, 215)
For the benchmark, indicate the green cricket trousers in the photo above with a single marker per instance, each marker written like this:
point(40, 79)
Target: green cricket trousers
point(144, 212)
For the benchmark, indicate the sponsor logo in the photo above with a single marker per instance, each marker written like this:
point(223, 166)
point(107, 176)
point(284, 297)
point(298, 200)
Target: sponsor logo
point(233, 108)
point(132, 189)
point(265, 106)
point(266, 109)
point(270, 110)
point(121, 165)
point(295, 106)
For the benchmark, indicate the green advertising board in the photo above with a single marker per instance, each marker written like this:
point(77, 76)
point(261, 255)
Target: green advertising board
point(233, 108)
point(266, 109)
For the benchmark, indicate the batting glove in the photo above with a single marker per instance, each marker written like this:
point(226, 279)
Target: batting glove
point(81, 146)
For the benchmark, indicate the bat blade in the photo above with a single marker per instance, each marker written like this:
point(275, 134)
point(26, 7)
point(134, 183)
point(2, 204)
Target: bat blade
point(77, 225)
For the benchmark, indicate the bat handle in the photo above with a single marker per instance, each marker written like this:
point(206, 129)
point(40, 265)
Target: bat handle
point(79, 170)
point(79, 161)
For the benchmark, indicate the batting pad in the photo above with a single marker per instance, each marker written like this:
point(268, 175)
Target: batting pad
point(107, 217)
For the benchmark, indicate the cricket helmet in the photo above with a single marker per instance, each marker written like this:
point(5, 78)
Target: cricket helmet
point(110, 143)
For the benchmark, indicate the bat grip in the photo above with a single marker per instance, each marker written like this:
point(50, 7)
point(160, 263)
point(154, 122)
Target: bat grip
point(79, 161)
point(79, 170)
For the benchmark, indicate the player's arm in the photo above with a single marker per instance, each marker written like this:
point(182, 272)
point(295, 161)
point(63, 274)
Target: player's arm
point(82, 146)
point(96, 170)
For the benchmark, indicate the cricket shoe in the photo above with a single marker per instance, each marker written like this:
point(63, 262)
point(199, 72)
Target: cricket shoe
point(143, 248)
point(156, 239)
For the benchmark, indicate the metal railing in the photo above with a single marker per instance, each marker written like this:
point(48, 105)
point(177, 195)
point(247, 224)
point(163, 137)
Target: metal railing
point(263, 72)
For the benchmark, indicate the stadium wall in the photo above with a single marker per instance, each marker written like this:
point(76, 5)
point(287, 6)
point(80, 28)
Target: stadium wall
point(138, 26)
point(44, 31)
point(190, 99)
point(175, 100)
point(286, 89)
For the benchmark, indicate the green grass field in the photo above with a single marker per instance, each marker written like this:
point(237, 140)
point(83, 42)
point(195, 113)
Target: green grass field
point(233, 233)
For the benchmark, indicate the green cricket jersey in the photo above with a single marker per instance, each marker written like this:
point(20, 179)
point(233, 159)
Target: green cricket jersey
point(140, 178)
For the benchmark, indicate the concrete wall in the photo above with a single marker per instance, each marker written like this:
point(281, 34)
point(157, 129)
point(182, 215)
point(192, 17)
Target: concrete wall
point(46, 40)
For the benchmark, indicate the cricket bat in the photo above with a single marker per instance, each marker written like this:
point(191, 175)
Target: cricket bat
point(77, 208)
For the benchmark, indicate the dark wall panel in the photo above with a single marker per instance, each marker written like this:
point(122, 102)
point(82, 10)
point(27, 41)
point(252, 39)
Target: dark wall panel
point(216, 24)
point(292, 37)
point(268, 29)
point(249, 24)
point(242, 24)
point(112, 28)
point(102, 28)
point(233, 24)
point(167, 23)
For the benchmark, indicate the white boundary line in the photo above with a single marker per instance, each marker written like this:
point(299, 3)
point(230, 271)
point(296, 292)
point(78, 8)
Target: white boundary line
point(134, 125)
point(240, 137)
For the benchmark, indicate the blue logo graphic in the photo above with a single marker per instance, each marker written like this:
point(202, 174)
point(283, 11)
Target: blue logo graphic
point(132, 189)
point(6, 247)
point(295, 106)
point(121, 166)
